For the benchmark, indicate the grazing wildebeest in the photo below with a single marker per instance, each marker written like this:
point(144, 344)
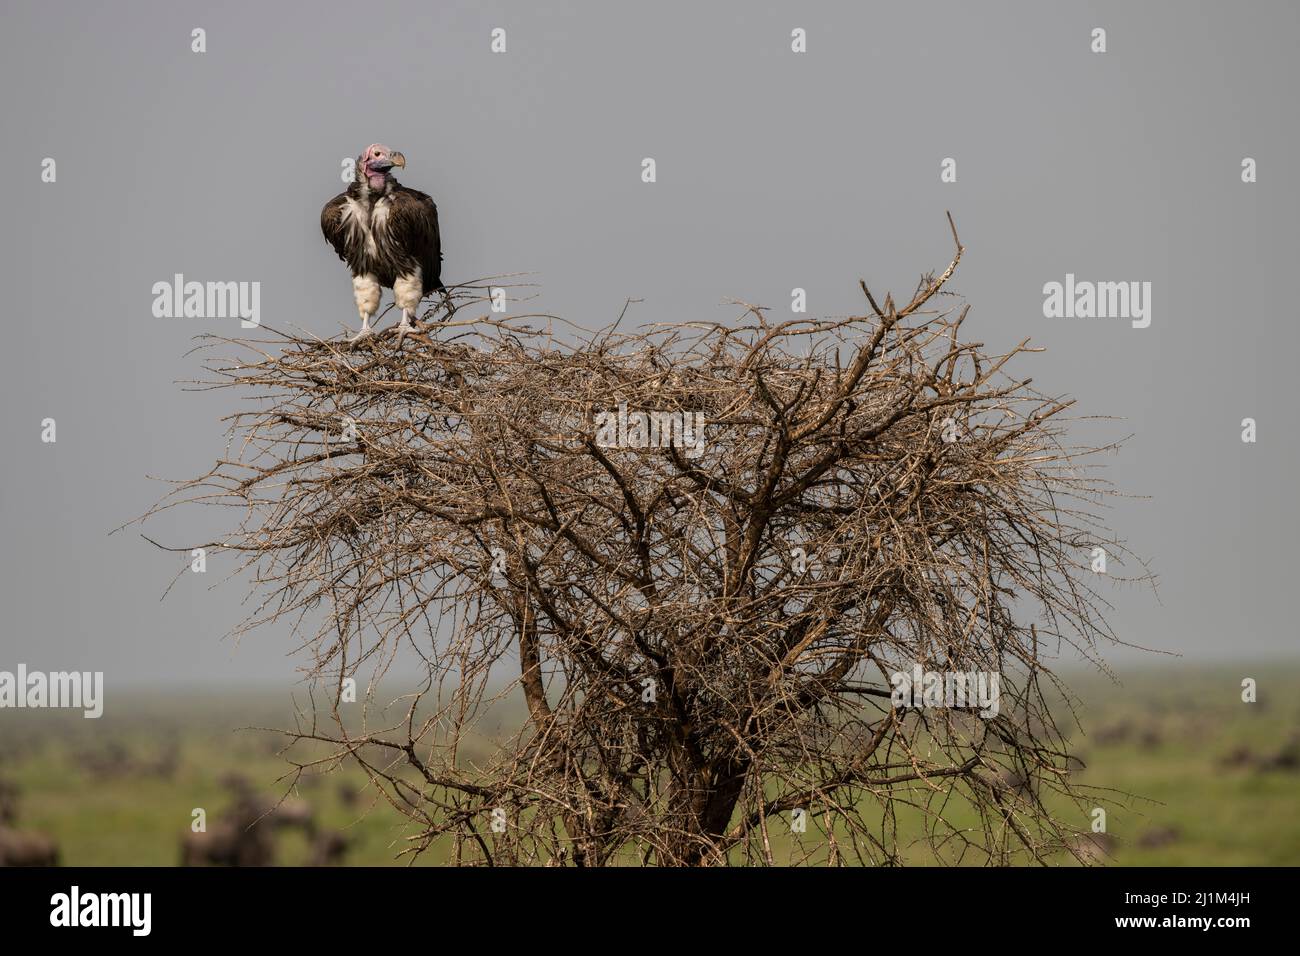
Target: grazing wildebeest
point(349, 796)
point(293, 812)
point(235, 782)
point(1288, 758)
point(328, 849)
point(1115, 734)
point(245, 834)
point(1150, 739)
point(1092, 848)
point(228, 843)
point(8, 802)
point(1241, 756)
point(27, 848)
point(1014, 780)
point(108, 761)
point(1159, 836)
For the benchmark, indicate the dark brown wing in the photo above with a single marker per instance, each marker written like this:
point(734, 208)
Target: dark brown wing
point(331, 224)
point(413, 228)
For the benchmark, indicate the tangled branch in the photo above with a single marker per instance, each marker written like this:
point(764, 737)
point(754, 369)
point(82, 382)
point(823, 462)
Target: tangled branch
point(696, 554)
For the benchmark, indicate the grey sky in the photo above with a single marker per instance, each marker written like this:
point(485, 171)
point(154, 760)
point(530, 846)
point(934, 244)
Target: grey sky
point(775, 170)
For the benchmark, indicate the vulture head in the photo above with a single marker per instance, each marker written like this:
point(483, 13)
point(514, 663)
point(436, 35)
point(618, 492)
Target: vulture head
point(376, 164)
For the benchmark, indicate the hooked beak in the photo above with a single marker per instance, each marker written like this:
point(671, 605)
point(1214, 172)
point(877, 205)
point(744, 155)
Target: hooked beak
point(397, 159)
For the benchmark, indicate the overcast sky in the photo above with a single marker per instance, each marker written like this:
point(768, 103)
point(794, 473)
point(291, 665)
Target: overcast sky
point(775, 170)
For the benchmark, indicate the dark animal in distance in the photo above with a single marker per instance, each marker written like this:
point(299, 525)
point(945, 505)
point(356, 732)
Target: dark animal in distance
point(26, 848)
point(21, 847)
point(245, 834)
point(1157, 837)
point(8, 801)
point(1091, 848)
point(228, 843)
point(328, 849)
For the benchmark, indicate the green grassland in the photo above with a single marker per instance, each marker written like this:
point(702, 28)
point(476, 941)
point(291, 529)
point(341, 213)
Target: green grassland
point(1169, 738)
point(1188, 774)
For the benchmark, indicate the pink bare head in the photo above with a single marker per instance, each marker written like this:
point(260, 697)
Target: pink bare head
point(376, 164)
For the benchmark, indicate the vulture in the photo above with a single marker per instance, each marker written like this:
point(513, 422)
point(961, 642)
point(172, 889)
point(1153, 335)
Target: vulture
point(388, 236)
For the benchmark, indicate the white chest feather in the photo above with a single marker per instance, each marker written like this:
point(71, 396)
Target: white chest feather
point(366, 222)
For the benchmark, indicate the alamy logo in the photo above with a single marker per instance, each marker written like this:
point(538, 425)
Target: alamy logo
point(920, 688)
point(75, 908)
point(620, 429)
point(1098, 300)
point(208, 300)
point(75, 689)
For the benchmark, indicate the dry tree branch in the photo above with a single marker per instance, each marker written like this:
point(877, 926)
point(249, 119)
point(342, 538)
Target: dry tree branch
point(702, 628)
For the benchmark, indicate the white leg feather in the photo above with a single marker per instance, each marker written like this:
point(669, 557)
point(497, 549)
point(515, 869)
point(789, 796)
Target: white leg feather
point(366, 291)
point(407, 292)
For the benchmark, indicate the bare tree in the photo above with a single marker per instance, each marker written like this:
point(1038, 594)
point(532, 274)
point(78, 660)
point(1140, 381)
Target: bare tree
point(703, 627)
